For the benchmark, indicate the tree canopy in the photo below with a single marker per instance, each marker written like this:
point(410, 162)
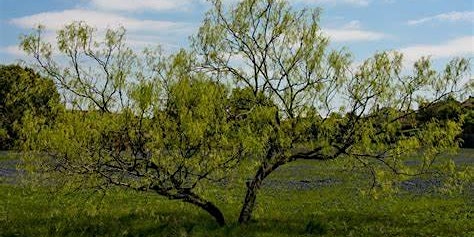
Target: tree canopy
point(23, 91)
point(140, 121)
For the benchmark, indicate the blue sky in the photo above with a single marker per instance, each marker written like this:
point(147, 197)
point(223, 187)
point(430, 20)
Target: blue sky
point(440, 28)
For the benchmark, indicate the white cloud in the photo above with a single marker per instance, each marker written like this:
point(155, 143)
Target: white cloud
point(463, 46)
point(353, 31)
point(13, 50)
point(316, 2)
point(353, 25)
point(344, 35)
point(337, 2)
point(100, 20)
point(185, 5)
point(450, 17)
point(141, 5)
point(141, 41)
point(140, 33)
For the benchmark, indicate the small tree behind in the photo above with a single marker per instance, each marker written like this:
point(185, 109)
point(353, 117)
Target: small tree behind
point(23, 91)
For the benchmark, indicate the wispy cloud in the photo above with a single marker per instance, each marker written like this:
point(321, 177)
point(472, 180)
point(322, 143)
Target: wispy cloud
point(142, 5)
point(184, 5)
point(462, 46)
point(338, 2)
point(449, 17)
point(140, 32)
point(342, 35)
point(351, 32)
point(100, 20)
point(13, 50)
point(318, 2)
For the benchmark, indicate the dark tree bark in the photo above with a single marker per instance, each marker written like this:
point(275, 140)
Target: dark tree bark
point(192, 198)
point(207, 206)
point(255, 184)
point(251, 196)
point(252, 189)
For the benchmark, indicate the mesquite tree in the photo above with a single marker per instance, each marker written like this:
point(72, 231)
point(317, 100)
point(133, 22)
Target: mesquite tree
point(140, 121)
point(273, 51)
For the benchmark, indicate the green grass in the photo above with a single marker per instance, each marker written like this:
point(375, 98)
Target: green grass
point(4, 156)
point(331, 210)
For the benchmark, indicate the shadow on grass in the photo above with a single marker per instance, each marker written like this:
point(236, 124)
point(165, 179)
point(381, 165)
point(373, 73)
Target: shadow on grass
point(189, 223)
point(130, 224)
point(178, 223)
point(276, 227)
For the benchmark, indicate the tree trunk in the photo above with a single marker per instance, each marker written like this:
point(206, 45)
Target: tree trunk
point(265, 170)
point(255, 185)
point(251, 196)
point(207, 206)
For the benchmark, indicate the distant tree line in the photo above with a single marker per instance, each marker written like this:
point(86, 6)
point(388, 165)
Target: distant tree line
point(23, 91)
point(451, 109)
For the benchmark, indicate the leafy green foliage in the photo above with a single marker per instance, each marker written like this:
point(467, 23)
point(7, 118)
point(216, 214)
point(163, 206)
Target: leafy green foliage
point(468, 127)
point(448, 109)
point(23, 91)
point(451, 109)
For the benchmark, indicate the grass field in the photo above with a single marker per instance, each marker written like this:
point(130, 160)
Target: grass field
point(301, 199)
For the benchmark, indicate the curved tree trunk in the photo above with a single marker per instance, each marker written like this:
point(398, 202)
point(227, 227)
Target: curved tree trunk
point(251, 195)
point(194, 199)
point(265, 170)
point(207, 206)
point(249, 201)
